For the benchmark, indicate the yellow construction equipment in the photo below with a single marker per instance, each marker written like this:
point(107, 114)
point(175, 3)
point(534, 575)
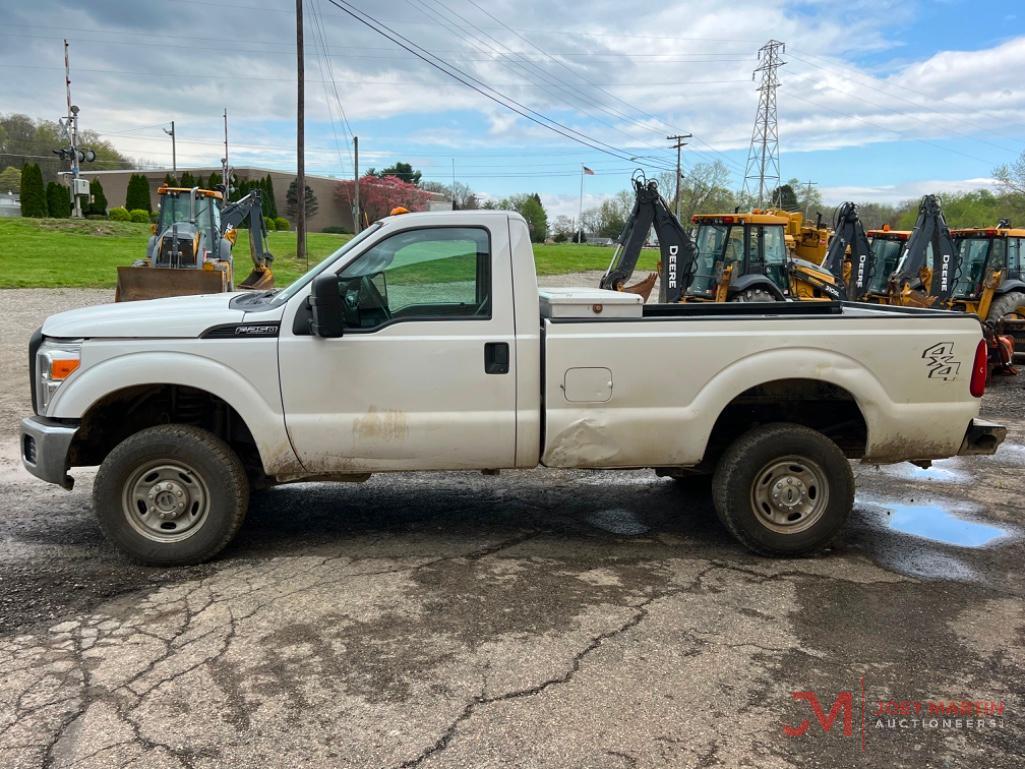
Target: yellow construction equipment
point(190, 249)
point(761, 256)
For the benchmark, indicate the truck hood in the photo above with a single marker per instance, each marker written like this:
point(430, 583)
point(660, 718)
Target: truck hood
point(176, 316)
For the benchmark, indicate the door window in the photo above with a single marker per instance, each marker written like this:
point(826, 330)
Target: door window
point(1013, 257)
point(426, 274)
point(775, 255)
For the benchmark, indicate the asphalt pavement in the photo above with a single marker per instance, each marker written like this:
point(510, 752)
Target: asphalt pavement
point(533, 619)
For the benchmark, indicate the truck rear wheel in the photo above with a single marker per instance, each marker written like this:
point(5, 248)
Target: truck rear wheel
point(171, 495)
point(784, 490)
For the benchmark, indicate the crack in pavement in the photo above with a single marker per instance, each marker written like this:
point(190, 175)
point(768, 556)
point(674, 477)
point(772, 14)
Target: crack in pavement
point(641, 612)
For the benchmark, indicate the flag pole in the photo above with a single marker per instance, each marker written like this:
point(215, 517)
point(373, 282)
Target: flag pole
point(579, 234)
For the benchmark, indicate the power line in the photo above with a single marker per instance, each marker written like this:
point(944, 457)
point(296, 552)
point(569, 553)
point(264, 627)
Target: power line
point(471, 82)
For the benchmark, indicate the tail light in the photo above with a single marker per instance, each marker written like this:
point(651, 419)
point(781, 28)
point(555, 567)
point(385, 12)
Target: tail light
point(977, 386)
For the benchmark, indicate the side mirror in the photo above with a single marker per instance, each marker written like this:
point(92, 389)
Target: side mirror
point(326, 304)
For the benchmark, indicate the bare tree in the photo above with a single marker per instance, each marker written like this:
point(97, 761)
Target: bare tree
point(1011, 178)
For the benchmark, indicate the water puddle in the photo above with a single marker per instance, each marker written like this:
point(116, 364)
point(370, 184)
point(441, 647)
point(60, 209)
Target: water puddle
point(936, 473)
point(937, 523)
point(618, 521)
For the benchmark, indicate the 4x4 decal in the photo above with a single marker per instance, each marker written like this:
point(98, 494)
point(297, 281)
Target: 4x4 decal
point(940, 360)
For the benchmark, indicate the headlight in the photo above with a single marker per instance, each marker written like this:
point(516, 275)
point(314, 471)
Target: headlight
point(55, 362)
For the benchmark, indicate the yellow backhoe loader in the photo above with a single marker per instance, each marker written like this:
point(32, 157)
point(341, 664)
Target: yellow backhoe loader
point(190, 249)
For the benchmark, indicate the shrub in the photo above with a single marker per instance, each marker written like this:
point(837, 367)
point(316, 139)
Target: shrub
point(140, 215)
point(33, 193)
point(337, 230)
point(119, 214)
point(268, 224)
point(137, 196)
point(98, 206)
point(58, 200)
point(281, 224)
point(560, 237)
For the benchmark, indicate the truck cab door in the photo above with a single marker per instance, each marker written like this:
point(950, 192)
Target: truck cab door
point(423, 377)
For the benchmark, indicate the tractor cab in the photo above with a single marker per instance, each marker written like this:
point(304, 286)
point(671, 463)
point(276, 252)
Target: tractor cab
point(987, 255)
point(887, 246)
point(188, 228)
point(756, 256)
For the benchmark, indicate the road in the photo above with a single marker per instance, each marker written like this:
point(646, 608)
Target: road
point(541, 619)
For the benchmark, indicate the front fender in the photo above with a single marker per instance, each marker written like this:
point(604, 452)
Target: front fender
point(262, 415)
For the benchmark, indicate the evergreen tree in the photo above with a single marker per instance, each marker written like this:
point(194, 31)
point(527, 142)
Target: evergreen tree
point(58, 200)
point(292, 201)
point(33, 194)
point(170, 181)
point(214, 180)
point(99, 205)
point(138, 193)
point(270, 207)
point(188, 180)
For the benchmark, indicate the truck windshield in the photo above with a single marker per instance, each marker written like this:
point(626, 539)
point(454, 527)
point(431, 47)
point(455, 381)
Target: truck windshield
point(973, 254)
point(287, 293)
point(711, 239)
point(887, 254)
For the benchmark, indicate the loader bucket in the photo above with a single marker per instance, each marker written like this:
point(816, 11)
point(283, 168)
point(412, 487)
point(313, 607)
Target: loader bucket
point(135, 283)
point(259, 279)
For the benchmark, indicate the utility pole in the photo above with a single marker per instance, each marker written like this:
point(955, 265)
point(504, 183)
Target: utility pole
point(225, 168)
point(300, 177)
point(453, 183)
point(807, 198)
point(174, 152)
point(680, 144)
point(72, 135)
point(357, 219)
point(763, 156)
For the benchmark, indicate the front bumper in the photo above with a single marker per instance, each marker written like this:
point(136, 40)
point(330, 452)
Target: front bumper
point(44, 449)
point(982, 437)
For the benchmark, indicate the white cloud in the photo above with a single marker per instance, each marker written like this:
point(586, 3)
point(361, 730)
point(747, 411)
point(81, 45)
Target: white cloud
point(897, 193)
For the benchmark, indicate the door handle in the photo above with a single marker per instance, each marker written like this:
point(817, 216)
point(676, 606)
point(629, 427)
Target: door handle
point(496, 358)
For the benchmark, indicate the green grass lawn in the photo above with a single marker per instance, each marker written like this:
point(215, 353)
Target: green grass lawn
point(58, 253)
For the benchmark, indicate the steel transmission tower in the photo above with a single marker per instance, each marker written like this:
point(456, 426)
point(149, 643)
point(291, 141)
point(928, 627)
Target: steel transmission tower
point(762, 170)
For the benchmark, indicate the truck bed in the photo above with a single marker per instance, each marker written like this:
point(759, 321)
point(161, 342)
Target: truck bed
point(648, 389)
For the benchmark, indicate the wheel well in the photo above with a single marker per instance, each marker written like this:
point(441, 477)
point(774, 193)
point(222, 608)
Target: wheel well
point(825, 407)
point(125, 412)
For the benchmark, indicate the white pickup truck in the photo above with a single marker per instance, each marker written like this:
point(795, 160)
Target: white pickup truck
point(424, 344)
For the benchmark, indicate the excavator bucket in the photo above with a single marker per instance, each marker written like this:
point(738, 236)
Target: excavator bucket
point(135, 283)
point(259, 279)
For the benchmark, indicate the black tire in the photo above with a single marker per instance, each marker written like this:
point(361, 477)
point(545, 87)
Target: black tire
point(1005, 305)
point(171, 495)
point(755, 509)
point(753, 295)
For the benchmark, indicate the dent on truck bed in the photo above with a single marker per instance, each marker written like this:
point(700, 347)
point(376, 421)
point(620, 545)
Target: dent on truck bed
point(580, 444)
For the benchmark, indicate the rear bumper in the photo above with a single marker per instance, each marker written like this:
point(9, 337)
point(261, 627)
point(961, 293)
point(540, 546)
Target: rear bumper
point(44, 449)
point(982, 437)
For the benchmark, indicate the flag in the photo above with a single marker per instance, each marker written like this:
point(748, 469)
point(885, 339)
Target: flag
point(588, 171)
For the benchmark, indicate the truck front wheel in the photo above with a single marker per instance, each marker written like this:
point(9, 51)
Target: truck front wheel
point(171, 495)
point(783, 490)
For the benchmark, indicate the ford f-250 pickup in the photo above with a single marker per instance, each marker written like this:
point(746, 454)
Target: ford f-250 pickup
point(424, 344)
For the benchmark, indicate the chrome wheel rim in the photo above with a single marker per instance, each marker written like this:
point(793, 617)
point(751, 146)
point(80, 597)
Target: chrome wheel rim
point(790, 494)
point(166, 501)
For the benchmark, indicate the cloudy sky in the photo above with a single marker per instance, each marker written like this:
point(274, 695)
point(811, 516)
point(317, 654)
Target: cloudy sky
point(880, 99)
